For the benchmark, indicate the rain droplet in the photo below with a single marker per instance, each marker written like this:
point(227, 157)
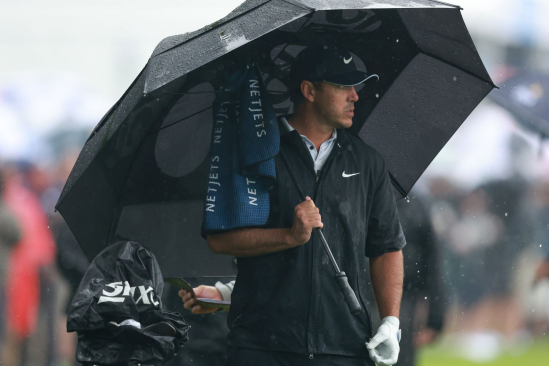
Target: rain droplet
point(455, 79)
point(397, 39)
point(425, 297)
point(377, 95)
point(506, 214)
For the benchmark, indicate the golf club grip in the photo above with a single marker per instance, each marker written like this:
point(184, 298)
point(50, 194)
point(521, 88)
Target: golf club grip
point(348, 293)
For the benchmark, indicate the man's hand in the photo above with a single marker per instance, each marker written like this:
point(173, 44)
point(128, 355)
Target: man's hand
point(306, 218)
point(251, 242)
point(383, 347)
point(208, 292)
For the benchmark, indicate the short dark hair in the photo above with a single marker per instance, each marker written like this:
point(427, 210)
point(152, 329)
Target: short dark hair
point(296, 96)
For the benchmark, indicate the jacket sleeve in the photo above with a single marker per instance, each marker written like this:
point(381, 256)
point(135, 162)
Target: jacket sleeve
point(226, 289)
point(384, 231)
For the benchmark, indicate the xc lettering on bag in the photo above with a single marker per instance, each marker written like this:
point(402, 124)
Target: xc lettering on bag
point(120, 292)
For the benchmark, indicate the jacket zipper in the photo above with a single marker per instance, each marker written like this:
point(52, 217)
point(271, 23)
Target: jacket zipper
point(318, 179)
point(321, 172)
point(309, 163)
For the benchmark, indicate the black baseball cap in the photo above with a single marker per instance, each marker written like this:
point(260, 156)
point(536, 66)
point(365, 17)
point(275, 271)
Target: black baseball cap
point(331, 64)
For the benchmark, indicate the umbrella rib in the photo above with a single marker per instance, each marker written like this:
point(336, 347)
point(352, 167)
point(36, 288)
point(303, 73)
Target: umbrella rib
point(302, 25)
point(215, 27)
point(180, 120)
point(194, 114)
point(529, 118)
point(299, 5)
point(448, 4)
point(209, 92)
point(224, 91)
point(397, 185)
point(109, 113)
point(116, 216)
point(459, 68)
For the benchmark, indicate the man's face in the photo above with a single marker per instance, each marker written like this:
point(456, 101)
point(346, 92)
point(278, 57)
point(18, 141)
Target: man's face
point(335, 104)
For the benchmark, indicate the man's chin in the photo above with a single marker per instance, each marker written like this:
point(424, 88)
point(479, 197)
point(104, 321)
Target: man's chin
point(342, 122)
point(345, 123)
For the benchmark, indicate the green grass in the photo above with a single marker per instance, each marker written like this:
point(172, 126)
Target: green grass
point(536, 354)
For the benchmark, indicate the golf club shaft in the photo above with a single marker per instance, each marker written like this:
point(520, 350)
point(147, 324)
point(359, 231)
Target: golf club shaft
point(341, 278)
point(302, 197)
point(327, 248)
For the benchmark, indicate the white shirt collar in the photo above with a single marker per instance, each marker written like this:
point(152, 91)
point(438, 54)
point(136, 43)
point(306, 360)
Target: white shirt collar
point(290, 129)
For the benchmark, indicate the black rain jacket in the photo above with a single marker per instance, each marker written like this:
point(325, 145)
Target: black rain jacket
point(289, 301)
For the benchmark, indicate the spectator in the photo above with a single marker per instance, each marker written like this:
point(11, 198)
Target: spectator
point(35, 251)
point(10, 234)
point(424, 290)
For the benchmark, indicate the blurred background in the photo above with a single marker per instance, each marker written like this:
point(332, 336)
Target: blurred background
point(477, 221)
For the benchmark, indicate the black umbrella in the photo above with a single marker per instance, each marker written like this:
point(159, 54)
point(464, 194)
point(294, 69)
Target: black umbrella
point(526, 96)
point(142, 173)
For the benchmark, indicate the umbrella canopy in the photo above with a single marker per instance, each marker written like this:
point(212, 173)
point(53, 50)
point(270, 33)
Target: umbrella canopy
point(142, 174)
point(526, 96)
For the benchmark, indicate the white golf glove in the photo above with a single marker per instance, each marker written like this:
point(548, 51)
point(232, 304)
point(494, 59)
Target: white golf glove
point(383, 347)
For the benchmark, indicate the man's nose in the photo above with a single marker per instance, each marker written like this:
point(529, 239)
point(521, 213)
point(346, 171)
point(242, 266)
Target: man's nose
point(353, 96)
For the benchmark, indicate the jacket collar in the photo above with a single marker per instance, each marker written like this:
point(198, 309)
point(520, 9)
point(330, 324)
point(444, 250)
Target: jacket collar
point(342, 138)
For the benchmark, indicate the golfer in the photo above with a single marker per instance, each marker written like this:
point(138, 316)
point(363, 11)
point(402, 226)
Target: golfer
point(286, 306)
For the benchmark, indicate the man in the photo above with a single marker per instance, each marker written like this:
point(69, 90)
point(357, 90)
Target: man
point(424, 289)
point(286, 305)
point(540, 195)
point(10, 234)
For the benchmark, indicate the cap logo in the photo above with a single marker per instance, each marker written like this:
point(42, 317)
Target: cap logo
point(347, 60)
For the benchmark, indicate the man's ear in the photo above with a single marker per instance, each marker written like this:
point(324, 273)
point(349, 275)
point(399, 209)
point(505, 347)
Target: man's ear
point(308, 90)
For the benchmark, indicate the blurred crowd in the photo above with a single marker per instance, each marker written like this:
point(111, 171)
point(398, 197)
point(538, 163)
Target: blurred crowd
point(476, 223)
point(476, 264)
point(40, 265)
point(494, 251)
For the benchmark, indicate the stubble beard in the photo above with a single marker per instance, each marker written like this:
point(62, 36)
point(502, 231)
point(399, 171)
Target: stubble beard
point(342, 124)
point(337, 120)
point(345, 122)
